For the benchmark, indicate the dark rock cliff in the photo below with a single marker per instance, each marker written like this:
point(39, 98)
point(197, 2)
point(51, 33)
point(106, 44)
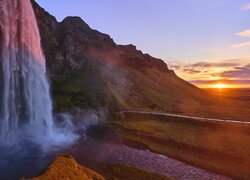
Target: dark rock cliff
point(88, 69)
point(69, 45)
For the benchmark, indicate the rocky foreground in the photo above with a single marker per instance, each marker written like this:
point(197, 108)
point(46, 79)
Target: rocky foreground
point(65, 167)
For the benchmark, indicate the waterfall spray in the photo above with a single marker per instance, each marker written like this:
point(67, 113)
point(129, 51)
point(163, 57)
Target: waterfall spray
point(24, 86)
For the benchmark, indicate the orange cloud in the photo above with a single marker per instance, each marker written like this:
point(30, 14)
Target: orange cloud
point(226, 83)
point(224, 69)
point(240, 45)
point(245, 33)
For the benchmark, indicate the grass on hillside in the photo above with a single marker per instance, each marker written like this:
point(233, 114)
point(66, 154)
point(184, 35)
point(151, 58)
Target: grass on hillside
point(122, 171)
point(214, 146)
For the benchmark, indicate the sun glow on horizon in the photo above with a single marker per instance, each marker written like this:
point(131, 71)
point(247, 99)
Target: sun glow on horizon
point(220, 86)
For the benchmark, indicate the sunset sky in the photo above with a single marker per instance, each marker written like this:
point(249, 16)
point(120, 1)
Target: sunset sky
point(205, 41)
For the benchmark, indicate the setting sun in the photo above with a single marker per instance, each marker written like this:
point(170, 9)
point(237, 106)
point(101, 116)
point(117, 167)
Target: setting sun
point(220, 86)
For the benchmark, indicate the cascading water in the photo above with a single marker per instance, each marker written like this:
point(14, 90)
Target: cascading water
point(26, 100)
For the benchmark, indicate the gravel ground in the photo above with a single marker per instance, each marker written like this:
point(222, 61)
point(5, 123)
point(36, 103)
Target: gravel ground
point(109, 153)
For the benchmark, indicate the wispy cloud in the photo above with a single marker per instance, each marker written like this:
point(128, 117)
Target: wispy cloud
point(224, 63)
point(237, 73)
point(241, 45)
point(246, 7)
point(245, 33)
point(228, 69)
point(213, 64)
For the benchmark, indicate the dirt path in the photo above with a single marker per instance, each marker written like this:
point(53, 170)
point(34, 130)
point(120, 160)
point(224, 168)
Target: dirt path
point(189, 117)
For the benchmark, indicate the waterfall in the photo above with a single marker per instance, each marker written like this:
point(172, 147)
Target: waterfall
point(25, 96)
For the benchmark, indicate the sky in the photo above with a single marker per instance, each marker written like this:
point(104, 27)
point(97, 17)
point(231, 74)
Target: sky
point(204, 41)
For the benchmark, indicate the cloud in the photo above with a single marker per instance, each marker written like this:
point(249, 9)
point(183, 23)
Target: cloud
point(241, 45)
point(228, 69)
point(212, 64)
point(204, 67)
point(245, 33)
point(237, 73)
point(208, 83)
point(246, 7)
point(191, 71)
point(247, 66)
point(175, 66)
point(221, 81)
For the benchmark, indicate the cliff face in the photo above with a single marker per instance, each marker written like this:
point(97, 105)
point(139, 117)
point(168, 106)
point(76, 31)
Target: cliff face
point(88, 69)
point(71, 44)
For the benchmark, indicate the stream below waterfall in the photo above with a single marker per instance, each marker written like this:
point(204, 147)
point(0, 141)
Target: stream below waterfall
point(28, 160)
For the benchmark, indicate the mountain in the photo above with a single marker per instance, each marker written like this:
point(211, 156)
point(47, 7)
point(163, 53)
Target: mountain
point(88, 69)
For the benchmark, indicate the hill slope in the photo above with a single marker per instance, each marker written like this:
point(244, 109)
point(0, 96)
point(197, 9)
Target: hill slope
point(88, 69)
